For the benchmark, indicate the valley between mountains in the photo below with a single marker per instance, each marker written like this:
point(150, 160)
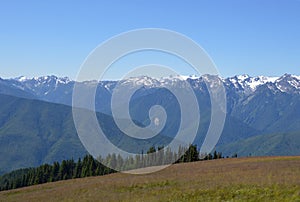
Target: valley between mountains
point(36, 123)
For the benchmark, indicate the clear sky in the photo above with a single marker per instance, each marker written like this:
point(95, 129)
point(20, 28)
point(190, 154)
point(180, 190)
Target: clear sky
point(255, 37)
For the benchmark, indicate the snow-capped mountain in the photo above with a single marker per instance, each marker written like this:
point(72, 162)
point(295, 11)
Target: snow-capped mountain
point(239, 82)
point(247, 83)
point(46, 88)
point(59, 90)
point(35, 83)
point(286, 83)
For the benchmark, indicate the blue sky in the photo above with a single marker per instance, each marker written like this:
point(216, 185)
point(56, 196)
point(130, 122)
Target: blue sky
point(255, 37)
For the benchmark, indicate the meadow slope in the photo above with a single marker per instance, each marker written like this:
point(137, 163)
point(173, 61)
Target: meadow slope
point(241, 179)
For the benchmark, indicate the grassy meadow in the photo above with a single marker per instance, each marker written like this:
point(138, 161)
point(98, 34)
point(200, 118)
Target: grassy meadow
point(236, 179)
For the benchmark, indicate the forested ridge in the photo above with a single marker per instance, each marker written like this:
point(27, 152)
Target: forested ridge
point(88, 166)
point(67, 169)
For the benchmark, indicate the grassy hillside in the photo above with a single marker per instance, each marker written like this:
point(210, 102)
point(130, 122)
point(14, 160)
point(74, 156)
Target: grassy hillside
point(244, 179)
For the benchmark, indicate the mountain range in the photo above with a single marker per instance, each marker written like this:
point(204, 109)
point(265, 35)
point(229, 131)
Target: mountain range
point(36, 126)
point(262, 103)
point(59, 90)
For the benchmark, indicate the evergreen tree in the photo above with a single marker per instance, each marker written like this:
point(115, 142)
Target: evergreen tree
point(78, 169)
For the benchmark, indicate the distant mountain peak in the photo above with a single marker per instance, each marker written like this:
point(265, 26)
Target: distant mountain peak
point(248, 83)
point(43, 79)
point(288, 83)
point(21, 78)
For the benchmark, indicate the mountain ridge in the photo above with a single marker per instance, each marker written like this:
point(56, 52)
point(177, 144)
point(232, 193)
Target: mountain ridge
point(44, 85)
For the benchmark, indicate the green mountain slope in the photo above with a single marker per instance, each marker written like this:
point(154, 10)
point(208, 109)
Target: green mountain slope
point(34, 132)
point(265, 145)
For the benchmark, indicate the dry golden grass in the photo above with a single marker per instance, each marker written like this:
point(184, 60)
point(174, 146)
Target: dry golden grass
point(242, 179)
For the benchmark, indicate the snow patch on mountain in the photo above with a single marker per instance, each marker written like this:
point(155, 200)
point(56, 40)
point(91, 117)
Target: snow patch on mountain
point(43, 79)
point(254, 82)
point(288, 83)
point(245, 82)
point(21, 78)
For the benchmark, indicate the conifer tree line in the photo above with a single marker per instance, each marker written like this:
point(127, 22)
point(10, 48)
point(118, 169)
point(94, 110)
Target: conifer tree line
point(88, 166)
point(158, 156)
point(67, 169)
